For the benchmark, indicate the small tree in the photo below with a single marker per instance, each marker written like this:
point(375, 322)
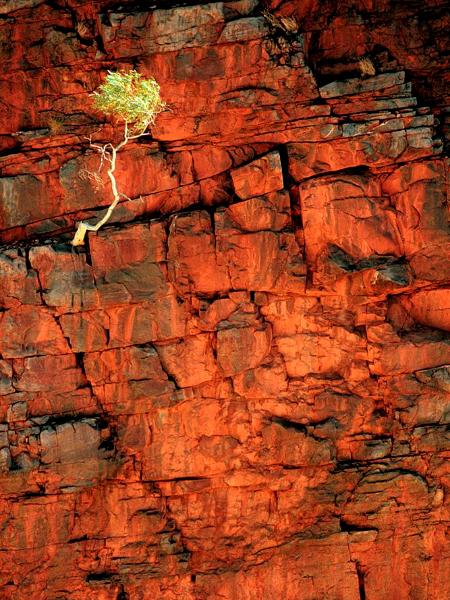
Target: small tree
point(133, 102)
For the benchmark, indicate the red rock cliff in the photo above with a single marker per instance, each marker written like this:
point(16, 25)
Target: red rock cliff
point(240, 388)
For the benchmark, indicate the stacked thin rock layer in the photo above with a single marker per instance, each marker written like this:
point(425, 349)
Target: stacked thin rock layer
point(240, 388)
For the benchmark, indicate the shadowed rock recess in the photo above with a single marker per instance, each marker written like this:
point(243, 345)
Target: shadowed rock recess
point(239, 389)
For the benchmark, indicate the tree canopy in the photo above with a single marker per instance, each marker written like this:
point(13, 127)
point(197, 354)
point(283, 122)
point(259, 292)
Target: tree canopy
point(129, 97)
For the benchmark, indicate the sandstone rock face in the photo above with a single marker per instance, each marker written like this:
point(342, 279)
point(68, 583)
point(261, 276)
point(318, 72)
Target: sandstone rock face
point(239, 388)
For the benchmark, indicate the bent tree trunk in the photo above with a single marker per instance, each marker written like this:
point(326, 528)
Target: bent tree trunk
point(108, 153)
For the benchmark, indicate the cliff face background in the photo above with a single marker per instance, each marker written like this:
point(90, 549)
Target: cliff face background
point(240, 388)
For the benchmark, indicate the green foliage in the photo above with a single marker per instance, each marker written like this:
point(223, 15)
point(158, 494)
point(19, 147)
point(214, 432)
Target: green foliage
point(128, 97)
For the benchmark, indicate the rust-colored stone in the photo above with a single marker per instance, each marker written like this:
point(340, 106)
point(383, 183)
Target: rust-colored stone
point(239, 388)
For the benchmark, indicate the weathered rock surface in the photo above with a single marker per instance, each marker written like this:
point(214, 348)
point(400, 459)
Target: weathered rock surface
point(240, 388)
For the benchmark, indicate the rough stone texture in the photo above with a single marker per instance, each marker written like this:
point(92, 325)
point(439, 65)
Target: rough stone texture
point(240, 388)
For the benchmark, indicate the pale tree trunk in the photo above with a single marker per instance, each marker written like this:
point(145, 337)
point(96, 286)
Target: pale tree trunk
point(109, 153)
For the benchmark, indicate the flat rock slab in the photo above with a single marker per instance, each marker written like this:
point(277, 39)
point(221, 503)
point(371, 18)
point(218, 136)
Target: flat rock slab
point(350, 87)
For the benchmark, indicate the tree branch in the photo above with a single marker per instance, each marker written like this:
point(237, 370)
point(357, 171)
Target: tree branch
point(108, 152)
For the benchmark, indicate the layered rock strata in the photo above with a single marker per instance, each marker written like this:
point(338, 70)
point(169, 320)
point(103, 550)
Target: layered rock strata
point(240, 388)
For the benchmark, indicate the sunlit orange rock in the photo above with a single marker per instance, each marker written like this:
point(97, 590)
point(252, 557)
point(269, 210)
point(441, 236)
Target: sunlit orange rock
point(239, 387)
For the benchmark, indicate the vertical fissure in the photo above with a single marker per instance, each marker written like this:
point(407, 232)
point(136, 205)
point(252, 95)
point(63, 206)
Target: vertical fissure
point(361, 581)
